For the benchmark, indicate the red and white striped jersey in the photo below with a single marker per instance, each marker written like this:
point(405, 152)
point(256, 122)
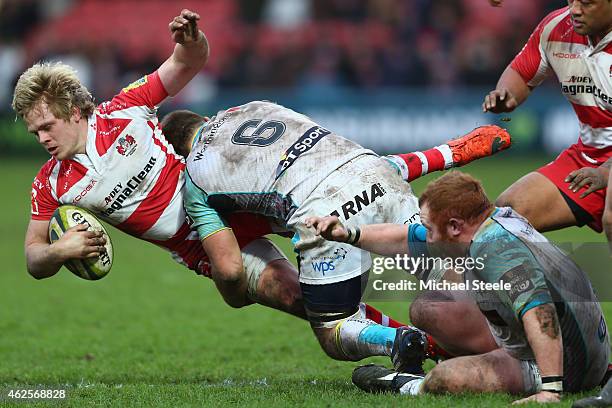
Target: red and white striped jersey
point(583, 69)
point(129, 176)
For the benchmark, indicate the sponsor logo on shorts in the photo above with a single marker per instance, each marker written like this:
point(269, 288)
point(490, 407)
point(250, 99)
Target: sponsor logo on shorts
point(301, 146)
point(324, 264)
point(119, 194)
point(360, 201)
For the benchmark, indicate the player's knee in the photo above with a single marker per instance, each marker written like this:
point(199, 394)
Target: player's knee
point(280, 285)
point(505, 199)
point(421, 311)
point(417, 313)
point(289, 289)
point(441, 379)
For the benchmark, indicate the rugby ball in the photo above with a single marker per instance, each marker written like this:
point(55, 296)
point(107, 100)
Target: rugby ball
point(66, 217)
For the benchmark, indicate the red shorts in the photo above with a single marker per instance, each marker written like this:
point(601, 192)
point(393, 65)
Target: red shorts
point(573, 158)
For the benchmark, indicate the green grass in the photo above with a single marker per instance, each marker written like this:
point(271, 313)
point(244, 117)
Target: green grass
point(154, 334)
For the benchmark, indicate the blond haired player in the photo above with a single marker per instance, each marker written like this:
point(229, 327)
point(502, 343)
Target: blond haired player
point(114, 160)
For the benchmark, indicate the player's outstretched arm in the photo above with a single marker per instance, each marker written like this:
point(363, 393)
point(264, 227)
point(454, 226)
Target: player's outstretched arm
point(227, 268)
point(382, 239)
point(510, 92)
point(544, 335)
point(44, 259)
point(190, 53)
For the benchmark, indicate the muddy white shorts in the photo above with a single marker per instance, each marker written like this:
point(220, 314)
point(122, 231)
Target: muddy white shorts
point(366, 190)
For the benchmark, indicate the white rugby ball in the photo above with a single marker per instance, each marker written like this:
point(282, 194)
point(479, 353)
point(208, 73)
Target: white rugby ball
point(66, 217)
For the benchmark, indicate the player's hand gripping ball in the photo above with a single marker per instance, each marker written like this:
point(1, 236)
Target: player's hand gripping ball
point(68, 216)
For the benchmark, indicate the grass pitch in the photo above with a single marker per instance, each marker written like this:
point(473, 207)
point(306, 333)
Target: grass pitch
point(154, 334)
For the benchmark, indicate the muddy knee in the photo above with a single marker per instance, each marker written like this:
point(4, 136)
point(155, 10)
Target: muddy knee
point(426, 308)
point(441, 379)
point(279, 283)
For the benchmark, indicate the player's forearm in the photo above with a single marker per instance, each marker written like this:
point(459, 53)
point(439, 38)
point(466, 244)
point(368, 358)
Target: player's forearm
point(384, 239)
point(544, 335)
point(42, 260)
point(227, 267)
point(514, 82)
point(184, 63)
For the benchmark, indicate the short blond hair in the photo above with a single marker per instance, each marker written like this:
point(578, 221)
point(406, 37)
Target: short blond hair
point(56, 84)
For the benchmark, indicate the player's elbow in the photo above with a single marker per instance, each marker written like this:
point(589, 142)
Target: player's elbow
point(38, 273)
point(38, 270)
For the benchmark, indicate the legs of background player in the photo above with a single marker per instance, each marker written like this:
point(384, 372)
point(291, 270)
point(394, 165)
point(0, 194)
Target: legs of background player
point(537, 198)
point(490, 372)
point(454, 321)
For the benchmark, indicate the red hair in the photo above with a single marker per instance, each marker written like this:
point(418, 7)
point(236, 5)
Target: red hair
point(455, 195)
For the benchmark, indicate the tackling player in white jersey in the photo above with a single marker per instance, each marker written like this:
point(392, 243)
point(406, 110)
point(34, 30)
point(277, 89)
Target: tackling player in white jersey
point(575, 43)
point(262, 158)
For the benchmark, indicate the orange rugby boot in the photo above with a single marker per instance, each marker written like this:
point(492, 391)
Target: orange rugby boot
point(481, 142)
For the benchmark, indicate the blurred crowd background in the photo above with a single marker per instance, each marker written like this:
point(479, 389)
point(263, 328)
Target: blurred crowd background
point(418, 68)
point(274, 43)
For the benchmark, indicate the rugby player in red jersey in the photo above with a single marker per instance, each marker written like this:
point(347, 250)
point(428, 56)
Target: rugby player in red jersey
point(575, 43)
point(114, 161)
